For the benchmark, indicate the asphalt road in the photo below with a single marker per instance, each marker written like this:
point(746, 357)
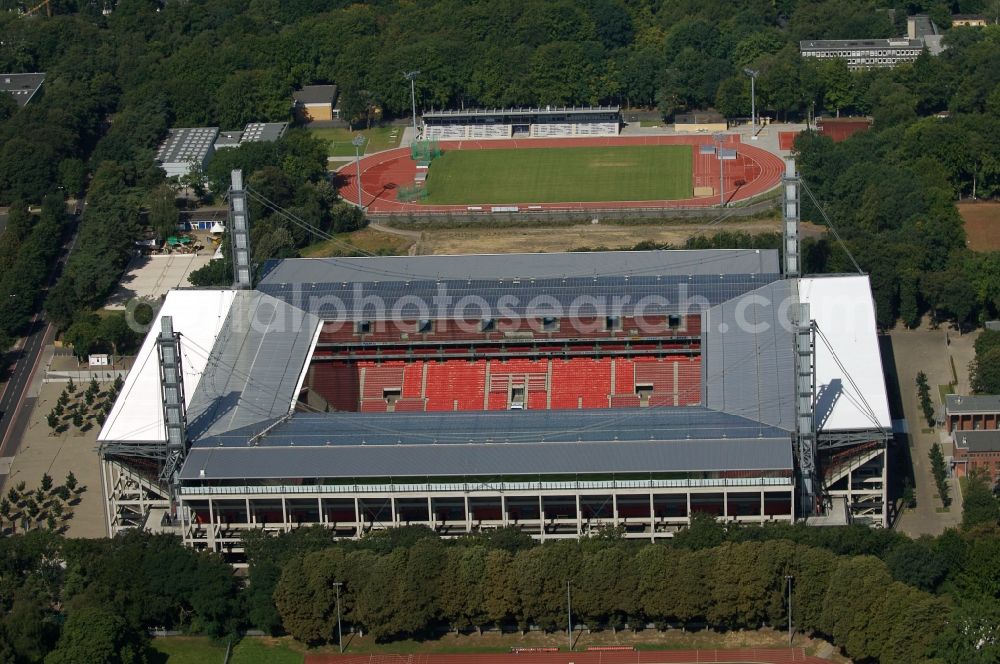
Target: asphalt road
point(15, 405)
point(13, 420)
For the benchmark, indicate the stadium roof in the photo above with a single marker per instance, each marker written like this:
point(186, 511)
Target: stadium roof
point(548, 110)
point(245, 355)
point(850, 385)
point(494, 443)
point(255, 367)
point(522, 266)
point(198, 315)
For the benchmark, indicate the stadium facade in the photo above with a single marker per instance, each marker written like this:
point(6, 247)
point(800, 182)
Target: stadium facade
point(499, 123)
point(561, 393)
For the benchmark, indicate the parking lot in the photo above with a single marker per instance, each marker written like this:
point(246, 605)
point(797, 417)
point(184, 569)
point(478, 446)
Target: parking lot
point(152, 276)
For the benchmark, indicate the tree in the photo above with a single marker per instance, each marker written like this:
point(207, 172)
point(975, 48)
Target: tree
point(940, 473)
point(96, 635)
point(73, 176)
point(985, 372)
point(70, 482)
point(979, 505)
point(163, 212)
point(46, 484)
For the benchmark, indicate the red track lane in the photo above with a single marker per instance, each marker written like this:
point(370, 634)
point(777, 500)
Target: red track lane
point(735, 656)
point(753, 172)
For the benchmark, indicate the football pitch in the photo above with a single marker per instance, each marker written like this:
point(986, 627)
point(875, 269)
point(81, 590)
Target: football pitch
point(560, 175)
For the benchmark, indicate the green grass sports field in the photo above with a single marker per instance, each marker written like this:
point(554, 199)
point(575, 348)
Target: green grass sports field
point(560, 175)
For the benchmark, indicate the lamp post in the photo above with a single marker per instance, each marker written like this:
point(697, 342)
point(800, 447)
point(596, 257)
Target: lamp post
point(340, 635)
point(788, 579)
point(358, 141)
point(753, 73)
point(569, 615)
point(411, 76)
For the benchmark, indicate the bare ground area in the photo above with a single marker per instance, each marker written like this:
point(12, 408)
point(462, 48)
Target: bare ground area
point(566, 238)
point(673, 639)
point(43, 451)
point(982, 224)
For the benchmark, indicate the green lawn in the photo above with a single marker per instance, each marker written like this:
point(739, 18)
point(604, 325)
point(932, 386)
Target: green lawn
point(201, 650)
point(257, 651)
point(186, 650)
point(376, 140)
point(560, 175)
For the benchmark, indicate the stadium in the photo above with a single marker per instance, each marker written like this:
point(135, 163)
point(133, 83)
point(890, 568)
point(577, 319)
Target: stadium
point(525, 160)
point(559, 393)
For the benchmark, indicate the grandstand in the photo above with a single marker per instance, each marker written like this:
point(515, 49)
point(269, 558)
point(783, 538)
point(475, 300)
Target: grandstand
point(548, 122)
point(560, 393)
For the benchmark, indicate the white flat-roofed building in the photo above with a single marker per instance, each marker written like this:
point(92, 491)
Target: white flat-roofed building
point(186, 148)
point(864, 53)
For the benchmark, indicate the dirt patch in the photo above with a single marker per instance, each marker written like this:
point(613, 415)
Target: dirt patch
point(982, 225)
point(360, 242)
point(567, 238)
point(672, 639)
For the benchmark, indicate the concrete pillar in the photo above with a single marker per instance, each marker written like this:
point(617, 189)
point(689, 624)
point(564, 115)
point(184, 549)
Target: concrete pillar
point(211, 525)
point(503, 510)
point(357, 517)
point(725, 503)
point(652, 519)
point(762, 504)
point(468, 516)
point(284, 515)
point(614, 508)
point(430, 510)
point(688, 496)
point(319, 506)
point(579, 517)
point(392, 507)
point(541, 518)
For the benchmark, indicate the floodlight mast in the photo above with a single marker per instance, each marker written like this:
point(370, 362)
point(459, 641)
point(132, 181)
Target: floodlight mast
point(358, 141)
point(411, 76)
point(753, 74)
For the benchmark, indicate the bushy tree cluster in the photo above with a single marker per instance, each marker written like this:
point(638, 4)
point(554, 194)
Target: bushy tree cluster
point(984, 372)
point(410, 590)
point(924, 397)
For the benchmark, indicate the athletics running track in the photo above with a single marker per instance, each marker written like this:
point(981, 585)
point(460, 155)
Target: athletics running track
point(753, 172)
point(741, 656)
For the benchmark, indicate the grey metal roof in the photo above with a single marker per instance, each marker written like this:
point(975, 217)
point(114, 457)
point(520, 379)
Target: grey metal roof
point(492, 443)
point(548, 110)
point(856, 44)
point(976, 403)
point(978, 441)
point(316, 94)
point(747, 357)
point(254, 368)
point(604, 295)
point(530, 459)
point(187, 145)
point(22, 87)
point(522, 266)
point(264, 131)
point(440, 430)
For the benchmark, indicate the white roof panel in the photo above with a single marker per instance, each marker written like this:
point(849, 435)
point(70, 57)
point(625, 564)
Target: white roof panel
point(198, 315)
point(851, 394)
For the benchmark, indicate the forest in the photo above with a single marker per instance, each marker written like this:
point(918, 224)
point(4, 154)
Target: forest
point(876, 594)
point(116, 81)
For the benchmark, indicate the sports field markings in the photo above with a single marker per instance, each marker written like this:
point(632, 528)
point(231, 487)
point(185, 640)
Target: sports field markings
point(559, 175)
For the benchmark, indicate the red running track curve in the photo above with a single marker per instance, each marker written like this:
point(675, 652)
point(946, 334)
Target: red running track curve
point(754, 172)
point(735, 656)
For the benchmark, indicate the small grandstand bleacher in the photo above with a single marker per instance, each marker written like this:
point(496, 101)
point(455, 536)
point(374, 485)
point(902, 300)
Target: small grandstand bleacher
point(548, 122)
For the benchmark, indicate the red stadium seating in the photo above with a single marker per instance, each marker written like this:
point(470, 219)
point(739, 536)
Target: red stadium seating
point(608, 370)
